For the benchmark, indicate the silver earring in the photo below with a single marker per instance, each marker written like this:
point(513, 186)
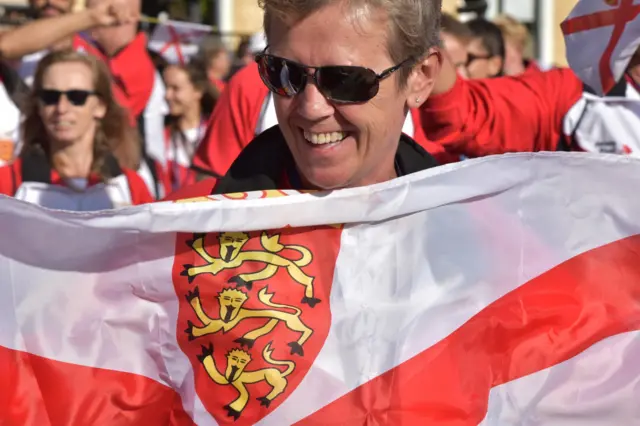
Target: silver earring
point(417, 100)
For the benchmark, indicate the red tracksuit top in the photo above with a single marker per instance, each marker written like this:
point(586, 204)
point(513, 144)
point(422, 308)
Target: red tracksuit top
point(507, 114)
point(132, 70)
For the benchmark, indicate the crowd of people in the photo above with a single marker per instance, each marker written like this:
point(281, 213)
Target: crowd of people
point(93, 119)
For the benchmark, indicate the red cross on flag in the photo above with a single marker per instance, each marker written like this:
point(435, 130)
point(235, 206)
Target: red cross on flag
point(178, 41)
point(601, 38)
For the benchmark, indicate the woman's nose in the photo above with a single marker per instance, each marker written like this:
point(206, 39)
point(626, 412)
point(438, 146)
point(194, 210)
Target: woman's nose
point(63, 104)
point(312, 104)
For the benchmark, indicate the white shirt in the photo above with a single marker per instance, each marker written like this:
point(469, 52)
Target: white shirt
point(78, 196)
point(9, 127)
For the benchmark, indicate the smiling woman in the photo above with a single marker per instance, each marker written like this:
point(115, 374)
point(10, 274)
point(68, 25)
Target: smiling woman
point(344, 75)
point(73, 132)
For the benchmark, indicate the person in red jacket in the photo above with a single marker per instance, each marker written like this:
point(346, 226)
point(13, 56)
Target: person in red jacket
point(535, 111)
point(56, 27)
point(235, 121)
point(77, 141)
point(475, 118)
point(138, 87)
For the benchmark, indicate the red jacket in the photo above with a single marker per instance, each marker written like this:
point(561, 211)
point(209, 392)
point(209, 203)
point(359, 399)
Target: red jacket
point(531, 66)
point(508, 114)
point(233, 122)
point(132, 70)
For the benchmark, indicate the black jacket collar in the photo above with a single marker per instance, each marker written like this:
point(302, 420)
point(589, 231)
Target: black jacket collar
point(261, 165)
point(619, 90)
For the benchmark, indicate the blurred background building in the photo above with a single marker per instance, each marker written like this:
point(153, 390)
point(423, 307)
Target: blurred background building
point(542, 17)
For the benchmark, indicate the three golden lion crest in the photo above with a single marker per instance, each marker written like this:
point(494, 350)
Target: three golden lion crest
point(232, 312)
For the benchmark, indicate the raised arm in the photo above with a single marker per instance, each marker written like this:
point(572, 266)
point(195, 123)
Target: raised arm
point(43, 33)
point(506, 114)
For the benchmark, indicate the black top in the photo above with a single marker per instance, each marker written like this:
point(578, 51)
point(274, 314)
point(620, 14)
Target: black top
point(262, 164)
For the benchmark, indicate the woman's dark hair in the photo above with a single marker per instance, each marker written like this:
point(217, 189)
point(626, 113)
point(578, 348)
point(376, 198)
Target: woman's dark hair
point(210, 47)
point(159, 62)
point(454, 27)
point(243, 48)
point(114, 133)
point(490, 35)
point(15, 87)
point(196, 70)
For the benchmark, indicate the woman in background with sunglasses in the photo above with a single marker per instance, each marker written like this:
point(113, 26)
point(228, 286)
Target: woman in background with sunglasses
point(345, 75)
point(79, 149)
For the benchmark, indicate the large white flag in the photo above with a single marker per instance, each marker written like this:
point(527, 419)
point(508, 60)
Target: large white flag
point(601, 37)
point(178, 41)
point(500, 291)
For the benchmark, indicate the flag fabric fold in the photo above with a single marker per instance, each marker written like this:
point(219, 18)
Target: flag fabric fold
point(501, 290)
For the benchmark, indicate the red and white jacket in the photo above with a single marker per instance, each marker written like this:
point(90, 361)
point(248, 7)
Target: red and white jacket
point(607, 124)
point(31, 178)
point(536, 111)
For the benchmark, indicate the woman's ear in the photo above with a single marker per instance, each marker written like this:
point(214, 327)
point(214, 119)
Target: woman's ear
point(495, 65)
point(100, 110)
point(423, 78)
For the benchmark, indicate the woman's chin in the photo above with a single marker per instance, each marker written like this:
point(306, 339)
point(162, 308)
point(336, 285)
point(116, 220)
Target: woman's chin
point(176, 111)
point(326, 179)
point(63, 137)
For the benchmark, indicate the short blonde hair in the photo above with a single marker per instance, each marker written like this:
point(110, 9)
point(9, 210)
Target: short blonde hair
point(515, 32)
point(414, 26)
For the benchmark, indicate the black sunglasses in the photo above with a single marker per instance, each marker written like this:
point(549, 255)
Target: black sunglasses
point(471, 58)
point(75, 97)
point(338, 83)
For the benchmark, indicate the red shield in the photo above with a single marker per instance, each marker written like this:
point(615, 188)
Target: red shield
point(253, 314)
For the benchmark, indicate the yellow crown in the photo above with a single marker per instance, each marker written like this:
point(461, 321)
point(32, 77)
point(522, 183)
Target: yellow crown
point(239, 353)
point(235, 235)
point(233, 293)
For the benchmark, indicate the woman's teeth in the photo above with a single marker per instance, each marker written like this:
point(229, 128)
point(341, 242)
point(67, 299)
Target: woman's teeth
point(324, 138)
